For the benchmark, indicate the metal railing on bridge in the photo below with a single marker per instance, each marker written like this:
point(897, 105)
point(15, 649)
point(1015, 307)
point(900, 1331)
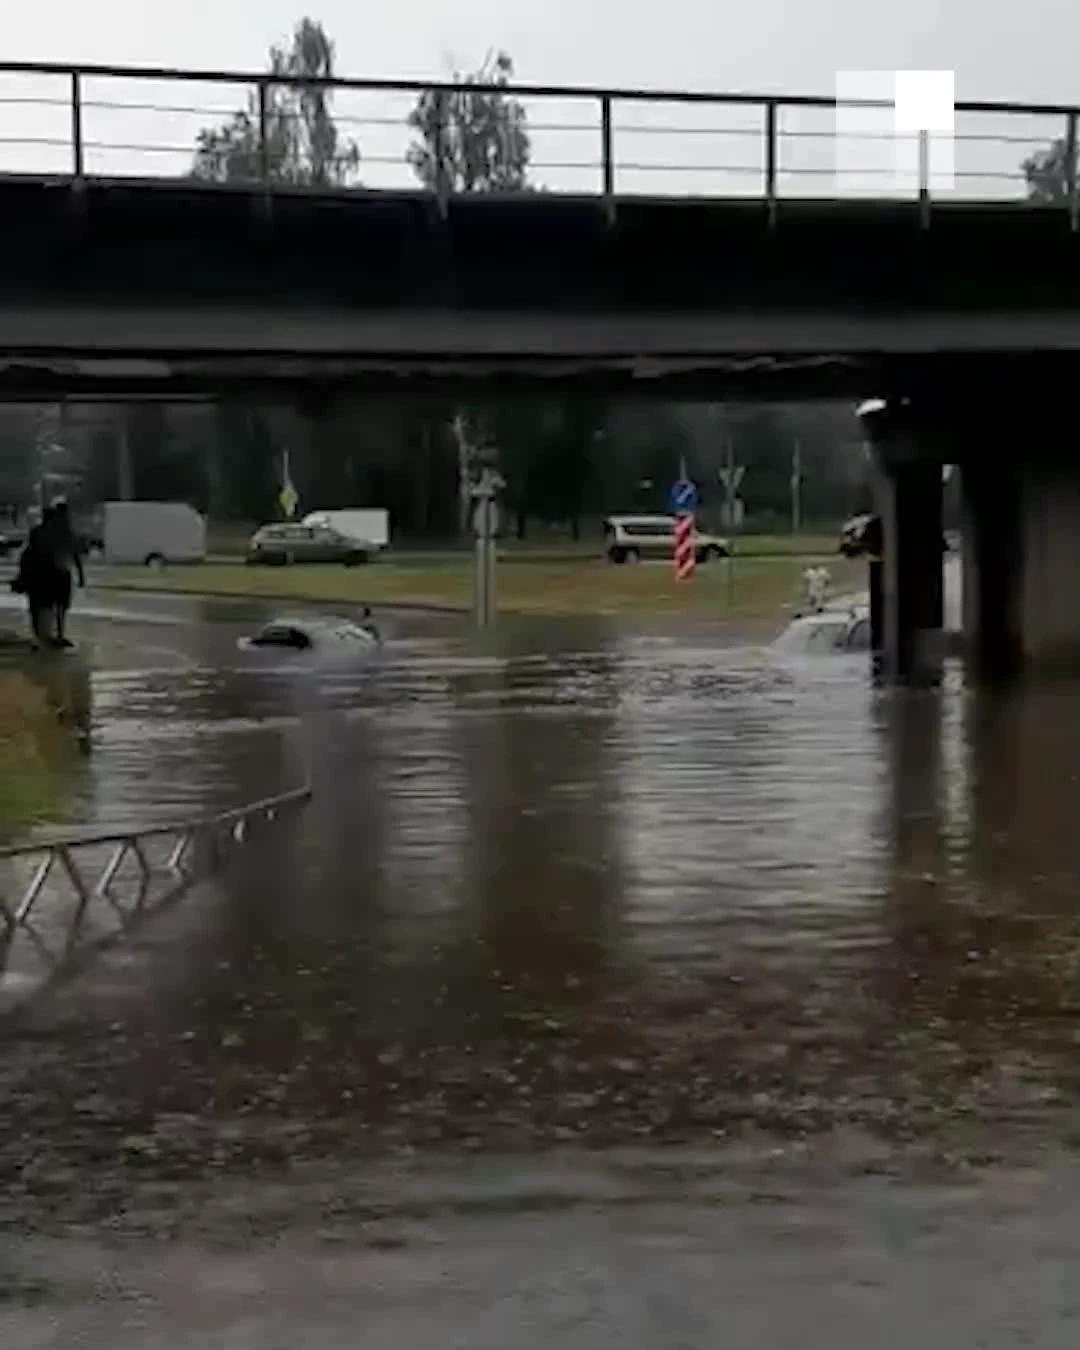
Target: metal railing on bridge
point(61, 900)
point(102, 122)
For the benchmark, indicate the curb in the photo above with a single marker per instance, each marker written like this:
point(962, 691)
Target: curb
point(194, 593)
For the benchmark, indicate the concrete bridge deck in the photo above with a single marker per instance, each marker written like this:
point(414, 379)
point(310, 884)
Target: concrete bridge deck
point(846, 297)
point(728, 283)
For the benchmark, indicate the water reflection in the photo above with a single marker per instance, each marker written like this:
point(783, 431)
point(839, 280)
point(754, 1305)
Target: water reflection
point(587, 885)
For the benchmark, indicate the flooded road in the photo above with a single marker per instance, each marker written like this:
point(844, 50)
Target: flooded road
point(610, 981)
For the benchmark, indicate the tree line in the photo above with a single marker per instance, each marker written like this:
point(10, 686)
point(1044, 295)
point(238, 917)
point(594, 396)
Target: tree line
point(563, 457)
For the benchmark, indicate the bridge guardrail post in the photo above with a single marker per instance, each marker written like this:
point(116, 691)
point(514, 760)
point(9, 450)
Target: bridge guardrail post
point(607, 158)
point(771, 159)
point(924, 180)
point(77, 162)
point(442, 178)
point(262, 99)
point(1070, 171)
point(263, 95)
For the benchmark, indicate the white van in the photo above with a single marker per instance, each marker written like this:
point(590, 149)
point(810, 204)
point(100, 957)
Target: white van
point(152, 533)
point(368, 525)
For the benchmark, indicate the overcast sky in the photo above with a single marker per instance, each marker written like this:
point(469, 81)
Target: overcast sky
point(998, 50)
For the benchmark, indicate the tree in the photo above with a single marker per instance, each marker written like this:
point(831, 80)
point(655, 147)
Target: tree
point(1045, 173)
point(241, 446)
point(472, 139)
point(302, 143)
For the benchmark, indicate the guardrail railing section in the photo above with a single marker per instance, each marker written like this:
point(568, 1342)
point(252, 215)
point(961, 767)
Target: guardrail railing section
point(247, 128)
point(60, 900)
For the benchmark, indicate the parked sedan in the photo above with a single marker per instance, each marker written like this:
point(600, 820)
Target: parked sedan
point(12, 538)
point(280, 545)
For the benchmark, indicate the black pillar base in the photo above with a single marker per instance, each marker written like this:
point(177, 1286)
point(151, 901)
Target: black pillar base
point(993, 547)
point(912, 581)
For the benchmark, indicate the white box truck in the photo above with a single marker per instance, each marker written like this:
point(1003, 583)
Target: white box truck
point(153, 533)
point(367, 525)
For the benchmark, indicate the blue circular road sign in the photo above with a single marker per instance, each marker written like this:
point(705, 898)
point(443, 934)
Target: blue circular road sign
point(683, 495)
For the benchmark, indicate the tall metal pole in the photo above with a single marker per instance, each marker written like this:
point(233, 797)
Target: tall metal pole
point(485, 528)
point(492, 555)
point(732, 521)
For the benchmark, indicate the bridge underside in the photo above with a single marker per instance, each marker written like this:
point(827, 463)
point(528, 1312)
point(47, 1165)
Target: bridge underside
point(1020, 479)
point(172, 289)
point(271, 377)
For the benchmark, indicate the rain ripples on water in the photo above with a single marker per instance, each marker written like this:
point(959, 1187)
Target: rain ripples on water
point(575, 886)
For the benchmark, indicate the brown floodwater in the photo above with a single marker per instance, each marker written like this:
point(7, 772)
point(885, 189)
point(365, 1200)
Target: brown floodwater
point(568, 891)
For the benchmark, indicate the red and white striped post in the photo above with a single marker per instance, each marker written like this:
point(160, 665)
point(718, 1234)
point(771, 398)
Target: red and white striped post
point(684, 545)
point(683, 503)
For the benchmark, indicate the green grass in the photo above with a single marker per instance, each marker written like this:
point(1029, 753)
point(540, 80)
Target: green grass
point(750, 588)
point(35, 753)
point(226, 541)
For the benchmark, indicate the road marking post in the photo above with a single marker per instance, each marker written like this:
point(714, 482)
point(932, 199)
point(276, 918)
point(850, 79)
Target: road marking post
point(683, 503)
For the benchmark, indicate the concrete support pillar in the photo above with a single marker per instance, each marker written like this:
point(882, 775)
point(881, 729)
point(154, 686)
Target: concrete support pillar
point(1049, 562)
point(993, 565)
point(1021, 534)
point(910, 499)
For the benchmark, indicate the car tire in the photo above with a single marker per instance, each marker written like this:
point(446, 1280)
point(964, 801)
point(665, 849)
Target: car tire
point(633, 555)
point(617, 555)
point(155, 560)
point(355, 559)
point(715, 551)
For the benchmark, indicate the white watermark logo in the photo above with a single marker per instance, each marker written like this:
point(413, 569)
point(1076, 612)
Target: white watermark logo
point(878, 148)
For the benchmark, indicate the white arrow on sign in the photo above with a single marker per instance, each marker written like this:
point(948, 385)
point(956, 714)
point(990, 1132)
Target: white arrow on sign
point(731, 478)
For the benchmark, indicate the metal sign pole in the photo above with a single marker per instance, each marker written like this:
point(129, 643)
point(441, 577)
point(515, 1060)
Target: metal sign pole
point(480, 579)
point(485, 528)
point(729, 485)
point(731, 476)
point(489, 581)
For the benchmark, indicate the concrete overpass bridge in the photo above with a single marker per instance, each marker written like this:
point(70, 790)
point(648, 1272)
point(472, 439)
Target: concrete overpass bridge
point(703, 271)
point(749, 277)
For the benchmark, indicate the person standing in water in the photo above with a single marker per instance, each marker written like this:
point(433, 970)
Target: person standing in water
point(34, 580)
point(63, 555)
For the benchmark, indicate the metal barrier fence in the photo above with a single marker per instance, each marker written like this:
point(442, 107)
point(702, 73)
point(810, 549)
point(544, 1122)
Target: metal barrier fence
point(86, 122)
point(61, 900)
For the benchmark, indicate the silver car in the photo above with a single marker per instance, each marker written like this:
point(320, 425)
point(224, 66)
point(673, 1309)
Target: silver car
point(280, 545)
point(631, 538)
point(828, 631)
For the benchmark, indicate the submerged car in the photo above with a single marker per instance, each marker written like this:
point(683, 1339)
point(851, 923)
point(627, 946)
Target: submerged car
point(281, 545)
point(339, 636)
point(842, 627)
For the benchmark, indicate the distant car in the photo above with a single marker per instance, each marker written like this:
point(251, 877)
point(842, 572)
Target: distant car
point(857, 537)
point(280, 545)
point(12, 538)
point(837, 629)
point(861, 536)
point(631, 538)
